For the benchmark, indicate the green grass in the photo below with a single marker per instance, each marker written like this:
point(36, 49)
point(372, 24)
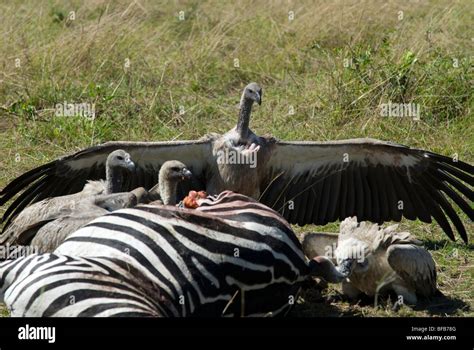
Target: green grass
point(335, 63)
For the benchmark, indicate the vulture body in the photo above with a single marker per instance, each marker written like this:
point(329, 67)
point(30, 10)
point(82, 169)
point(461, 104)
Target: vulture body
point(306, 182)
point(49, 233)
point(377, 260)
point(390, 260)
point(101, 196)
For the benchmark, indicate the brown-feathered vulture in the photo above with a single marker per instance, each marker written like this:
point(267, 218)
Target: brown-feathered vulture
point(94, 194)
point(307, 182)
point(46, 224)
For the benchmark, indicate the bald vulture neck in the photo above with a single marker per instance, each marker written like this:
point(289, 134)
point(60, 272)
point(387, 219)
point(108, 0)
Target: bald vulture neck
point(244, 117)
point(168, 190)
point(114, 180)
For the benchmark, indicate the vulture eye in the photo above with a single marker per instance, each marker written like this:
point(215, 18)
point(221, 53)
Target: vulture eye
point(120, 158)
point(251, 91)
point(175, 168)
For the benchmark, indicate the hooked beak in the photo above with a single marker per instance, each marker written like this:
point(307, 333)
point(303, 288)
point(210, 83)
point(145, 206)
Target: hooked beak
point(130, 164)
point(259, 98)
point(186, 174)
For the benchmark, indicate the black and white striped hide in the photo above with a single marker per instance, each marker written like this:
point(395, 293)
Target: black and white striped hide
point(232, 256)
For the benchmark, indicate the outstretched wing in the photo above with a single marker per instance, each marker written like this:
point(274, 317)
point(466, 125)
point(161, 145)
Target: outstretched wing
point(69, 174)
point(321, 182)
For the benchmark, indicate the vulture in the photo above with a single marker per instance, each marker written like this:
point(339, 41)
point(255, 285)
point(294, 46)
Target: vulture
point(55, 225)
point(165, 192)
point(377, 260)
point(49, 234)
point(96, 193)
point(118, 165)
point(306, 182)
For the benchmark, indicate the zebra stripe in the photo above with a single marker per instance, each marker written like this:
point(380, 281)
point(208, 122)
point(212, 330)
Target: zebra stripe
point(231, 256)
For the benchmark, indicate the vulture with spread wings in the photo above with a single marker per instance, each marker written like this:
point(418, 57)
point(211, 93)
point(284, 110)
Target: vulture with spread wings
point(307, 182)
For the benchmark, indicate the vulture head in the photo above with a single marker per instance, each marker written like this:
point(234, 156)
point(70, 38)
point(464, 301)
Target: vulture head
point(352, 254)
point(252, 93)
point(120, 159)
point(117, 166)
point(172, 172)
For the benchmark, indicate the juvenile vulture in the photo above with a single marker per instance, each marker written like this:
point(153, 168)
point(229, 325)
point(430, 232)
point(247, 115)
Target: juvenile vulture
point(118, 166)
point(171, 174)
point(376, 260)
point(53, 227)
point(49, 234)
point(307, 182)
point(94, 193)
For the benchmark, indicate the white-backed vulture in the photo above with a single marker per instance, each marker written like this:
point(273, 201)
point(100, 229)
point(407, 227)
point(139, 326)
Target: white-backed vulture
point(25, 226)
point(381, 259)
point(307, 182)
point(376, 260)
point(48, 234)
